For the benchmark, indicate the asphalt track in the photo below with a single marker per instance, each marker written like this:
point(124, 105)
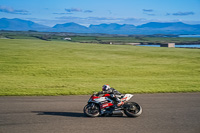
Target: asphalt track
point(162, 113)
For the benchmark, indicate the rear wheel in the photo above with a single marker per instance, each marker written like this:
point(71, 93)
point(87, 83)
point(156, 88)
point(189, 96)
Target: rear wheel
point(133, 109)
point(91, 110)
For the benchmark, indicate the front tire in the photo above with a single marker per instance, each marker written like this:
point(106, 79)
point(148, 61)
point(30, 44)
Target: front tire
point(91, 110)
point(133, 109)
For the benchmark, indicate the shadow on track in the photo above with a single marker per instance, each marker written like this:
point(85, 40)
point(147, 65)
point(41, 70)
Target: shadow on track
point(68, 114)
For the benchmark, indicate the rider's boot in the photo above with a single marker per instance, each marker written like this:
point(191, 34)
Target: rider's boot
point(120, 104)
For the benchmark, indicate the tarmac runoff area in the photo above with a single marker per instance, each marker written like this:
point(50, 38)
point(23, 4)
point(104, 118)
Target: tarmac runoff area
point(162, 113)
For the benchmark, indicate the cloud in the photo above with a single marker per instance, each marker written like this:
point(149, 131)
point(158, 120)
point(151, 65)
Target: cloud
point(61, 13)
point(183, 13)
point(88, 11)
point(148, 10)
point(10, 10)
point(72, 10)
point(99, 20)
point(150, 14)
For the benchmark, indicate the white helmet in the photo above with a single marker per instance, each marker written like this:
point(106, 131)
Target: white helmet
point(105, 87)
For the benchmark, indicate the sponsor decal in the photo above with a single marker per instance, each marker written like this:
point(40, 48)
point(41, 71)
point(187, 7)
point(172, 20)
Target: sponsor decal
point(105, 105)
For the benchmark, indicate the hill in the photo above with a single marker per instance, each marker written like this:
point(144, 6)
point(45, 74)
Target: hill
point(113, 28)
point(169, 28)
point(70, 27)
point(21, 25)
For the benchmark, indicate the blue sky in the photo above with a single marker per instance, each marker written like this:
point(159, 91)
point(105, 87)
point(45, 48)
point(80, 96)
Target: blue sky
point(86, 12)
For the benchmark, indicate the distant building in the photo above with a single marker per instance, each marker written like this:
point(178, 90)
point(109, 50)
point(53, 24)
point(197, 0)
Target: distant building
point(67, 38)
point(135, 44)
point(169, 45)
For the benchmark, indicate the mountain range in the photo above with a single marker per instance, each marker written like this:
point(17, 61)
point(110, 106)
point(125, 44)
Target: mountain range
point(113, 28)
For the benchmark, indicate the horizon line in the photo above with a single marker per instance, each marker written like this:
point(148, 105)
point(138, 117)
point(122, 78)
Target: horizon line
point(100, 23)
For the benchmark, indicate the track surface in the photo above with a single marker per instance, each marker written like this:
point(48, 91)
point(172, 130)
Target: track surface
point(162, 113)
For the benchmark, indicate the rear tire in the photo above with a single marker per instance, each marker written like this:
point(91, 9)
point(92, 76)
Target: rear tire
point(91, 110)
point(133, 109)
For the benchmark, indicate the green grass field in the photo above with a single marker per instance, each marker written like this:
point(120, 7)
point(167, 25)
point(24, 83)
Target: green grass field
point(36, 67)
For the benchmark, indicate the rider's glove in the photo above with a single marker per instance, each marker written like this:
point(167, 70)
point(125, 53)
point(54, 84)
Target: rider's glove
point(95, 93)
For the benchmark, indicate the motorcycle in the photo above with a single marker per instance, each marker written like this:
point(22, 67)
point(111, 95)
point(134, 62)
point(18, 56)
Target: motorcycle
point(105, 106)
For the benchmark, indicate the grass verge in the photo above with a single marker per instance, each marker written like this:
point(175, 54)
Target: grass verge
point(36, 67)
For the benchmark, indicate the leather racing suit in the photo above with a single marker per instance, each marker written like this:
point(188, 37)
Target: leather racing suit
point(114, 94)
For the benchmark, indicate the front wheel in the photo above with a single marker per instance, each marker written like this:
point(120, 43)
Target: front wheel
point(91, 110)
point(133, 109)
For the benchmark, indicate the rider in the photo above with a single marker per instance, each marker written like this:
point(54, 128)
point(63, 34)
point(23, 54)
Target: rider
point(106, 89)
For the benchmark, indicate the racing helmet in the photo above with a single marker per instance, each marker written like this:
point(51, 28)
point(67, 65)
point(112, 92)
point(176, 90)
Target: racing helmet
point(105, 87)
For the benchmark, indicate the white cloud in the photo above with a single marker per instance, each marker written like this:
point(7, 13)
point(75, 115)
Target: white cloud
point(183, 13)
point(10, 10)
point(72, 10)
point(99, 20)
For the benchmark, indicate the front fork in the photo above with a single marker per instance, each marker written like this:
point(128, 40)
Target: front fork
point(94, 106)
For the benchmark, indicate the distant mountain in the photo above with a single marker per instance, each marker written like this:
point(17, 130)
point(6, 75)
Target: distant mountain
point(162, 25)
point(70, 27)
point(169, 28)
point(21, 25)
point(149, 28)
point(113, 28)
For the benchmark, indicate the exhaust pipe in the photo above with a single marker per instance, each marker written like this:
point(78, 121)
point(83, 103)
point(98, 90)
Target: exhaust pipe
point(117, 112)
